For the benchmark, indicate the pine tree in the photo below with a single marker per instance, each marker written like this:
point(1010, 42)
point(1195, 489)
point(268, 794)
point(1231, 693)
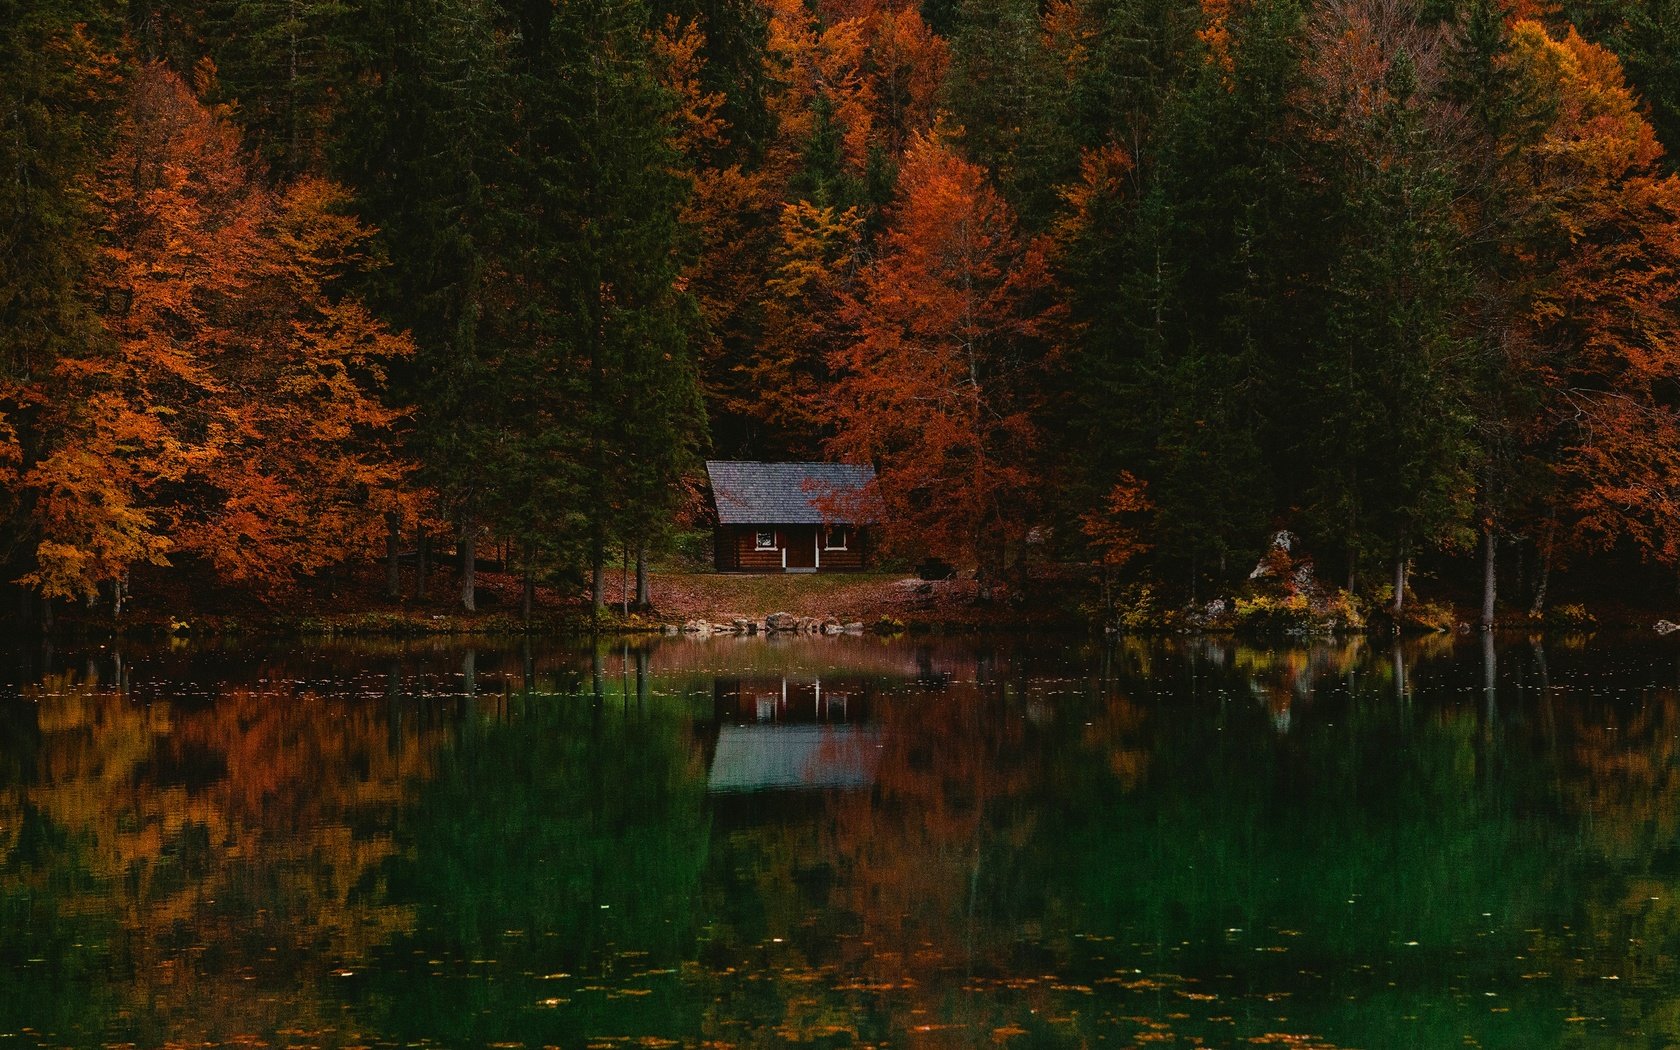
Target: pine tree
point(420, 140)
point(59, 86)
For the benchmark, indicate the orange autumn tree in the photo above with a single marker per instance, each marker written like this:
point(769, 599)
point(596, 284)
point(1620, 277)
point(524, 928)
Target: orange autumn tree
point(1601, 323)
point(952, 330)
point(850, 81)
point(815, 261)
point(1117, 530)
point(233, 417)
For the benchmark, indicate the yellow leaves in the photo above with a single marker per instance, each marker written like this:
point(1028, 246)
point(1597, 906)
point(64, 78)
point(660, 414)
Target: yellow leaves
point(816, 242)
point(1598, 129)
point(699, 126)
point(1215, 35)
point(878, 67)
point(92, 528)
point(1601, 269)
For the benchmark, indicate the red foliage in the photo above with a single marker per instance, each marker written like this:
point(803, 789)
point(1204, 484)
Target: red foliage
point(937, 388)
point(231, 416)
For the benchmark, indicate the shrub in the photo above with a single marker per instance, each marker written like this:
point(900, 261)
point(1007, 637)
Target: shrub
point(1430, 616)
point(887, 625)
point(1275, 614)
point(1570, 618)
point(1342, 610)
point(1137, 610)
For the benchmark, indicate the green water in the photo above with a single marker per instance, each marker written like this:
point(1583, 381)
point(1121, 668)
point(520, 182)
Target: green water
point(843, 842)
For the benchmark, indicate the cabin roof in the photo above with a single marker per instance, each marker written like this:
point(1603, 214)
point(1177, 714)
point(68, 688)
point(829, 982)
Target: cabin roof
point(752, 493)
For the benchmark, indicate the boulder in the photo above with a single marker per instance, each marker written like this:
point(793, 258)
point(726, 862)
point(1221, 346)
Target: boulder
point(781, 621)
point(1665, 627)
point(697, 627)
point(744, 626)
point(936, 569)
point(1280, 551)
point(831, 627)
point(855, 627)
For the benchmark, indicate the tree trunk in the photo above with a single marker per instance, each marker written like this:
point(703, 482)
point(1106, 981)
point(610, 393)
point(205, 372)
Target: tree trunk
point(1399, 585)
point(423, 565)
point(644, 594)
point(598, 574)
point(469, 565)
point(393, 544)
point(528, 595)
point(1490, 679)
point(1544, 575)
point(1490, 578)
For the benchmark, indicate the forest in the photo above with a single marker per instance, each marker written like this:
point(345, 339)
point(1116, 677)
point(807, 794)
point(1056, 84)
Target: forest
point(287, 286)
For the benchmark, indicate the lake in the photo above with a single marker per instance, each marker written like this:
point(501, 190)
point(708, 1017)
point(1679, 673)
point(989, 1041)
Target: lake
point(843, 842)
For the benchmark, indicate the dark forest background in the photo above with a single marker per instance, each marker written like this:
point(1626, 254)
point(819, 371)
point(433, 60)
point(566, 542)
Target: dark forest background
point(287, 283)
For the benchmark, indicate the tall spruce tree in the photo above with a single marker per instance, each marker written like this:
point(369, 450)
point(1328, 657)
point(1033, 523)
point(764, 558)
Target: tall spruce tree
point(285, 64)
point(600, 194)
point(1183, 294)
point(1391, 450)
point(1007, 92)
point(420, 141)
point(58, 91)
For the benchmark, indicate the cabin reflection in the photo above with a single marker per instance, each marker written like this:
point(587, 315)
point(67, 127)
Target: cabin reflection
point(781, 700)
point(791, 734)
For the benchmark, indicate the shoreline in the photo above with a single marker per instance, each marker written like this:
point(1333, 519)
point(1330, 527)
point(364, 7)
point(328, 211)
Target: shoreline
point(1059, 600)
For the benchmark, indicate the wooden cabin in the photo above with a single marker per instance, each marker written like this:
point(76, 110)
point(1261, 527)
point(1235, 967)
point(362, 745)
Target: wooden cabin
point(790, 517)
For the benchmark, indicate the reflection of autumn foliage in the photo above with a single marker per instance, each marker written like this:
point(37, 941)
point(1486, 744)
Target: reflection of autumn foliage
point(1626, 794)
point(1630, 759)
point(1117, 734)
point(1284, 678)
point(898, 913)
point(257, 824)
point(916, 853)
point(921, 863)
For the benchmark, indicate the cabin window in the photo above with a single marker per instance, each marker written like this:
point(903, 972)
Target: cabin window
point(837, 538)
point(766, 541)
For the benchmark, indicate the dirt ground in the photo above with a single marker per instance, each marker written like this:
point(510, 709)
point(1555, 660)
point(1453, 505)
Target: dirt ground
point(356, 602)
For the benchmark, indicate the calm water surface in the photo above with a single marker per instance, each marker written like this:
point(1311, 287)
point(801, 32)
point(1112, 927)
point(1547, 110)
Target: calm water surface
point(841, 842)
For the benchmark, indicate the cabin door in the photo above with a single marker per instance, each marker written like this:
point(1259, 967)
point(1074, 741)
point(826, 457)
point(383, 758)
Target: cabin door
point(801, 547)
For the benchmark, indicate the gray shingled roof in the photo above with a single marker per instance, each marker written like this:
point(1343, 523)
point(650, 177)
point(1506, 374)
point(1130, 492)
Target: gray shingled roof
point(749, 493)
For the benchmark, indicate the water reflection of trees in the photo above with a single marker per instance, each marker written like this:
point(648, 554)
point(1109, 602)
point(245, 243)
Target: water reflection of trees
point(1392, 842)
point(201, 850)
point(516, 845)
